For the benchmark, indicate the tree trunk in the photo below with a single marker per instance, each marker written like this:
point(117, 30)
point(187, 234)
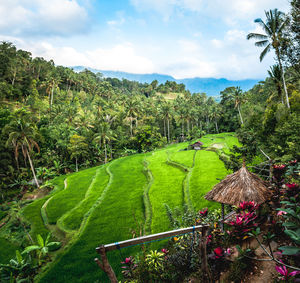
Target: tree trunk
point(105, 153)
point(110, 150)
point(131, 126)
point(76, 162)
point(32, 169)
point(242, 122)
point(52, 91)
point(216, 123)
point(283, 80)
point(105, 266)
point(168, 131)
point(165, 134)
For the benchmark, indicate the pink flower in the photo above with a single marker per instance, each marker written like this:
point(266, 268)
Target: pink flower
point(284, 271)
point(165, 251)
point(279, 213)
point(228, 251)
point(127, 260)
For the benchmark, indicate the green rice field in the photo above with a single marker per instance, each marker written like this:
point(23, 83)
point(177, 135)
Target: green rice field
point(123, 199)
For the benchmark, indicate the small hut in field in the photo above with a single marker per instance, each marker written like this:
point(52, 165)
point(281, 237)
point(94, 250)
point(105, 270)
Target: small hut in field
point(197, 145)
point(240, 186)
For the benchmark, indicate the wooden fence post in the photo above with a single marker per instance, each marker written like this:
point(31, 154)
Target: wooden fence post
point(203, 254)
point(105, 266)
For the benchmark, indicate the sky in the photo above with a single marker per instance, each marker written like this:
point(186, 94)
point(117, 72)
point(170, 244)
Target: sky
point(181, 38)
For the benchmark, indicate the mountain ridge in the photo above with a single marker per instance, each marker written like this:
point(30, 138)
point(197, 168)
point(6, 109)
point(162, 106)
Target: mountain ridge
point(210, 86)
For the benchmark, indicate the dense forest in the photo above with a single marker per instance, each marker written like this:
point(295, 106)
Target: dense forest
point(54, 120)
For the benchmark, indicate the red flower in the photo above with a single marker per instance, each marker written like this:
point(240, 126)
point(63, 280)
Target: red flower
point(250, 205)
point(203, 212)
point(292, 186)
point(279, 166)
point(165, 251)
point(219, 252)
point(293, 162)
point(208, 239)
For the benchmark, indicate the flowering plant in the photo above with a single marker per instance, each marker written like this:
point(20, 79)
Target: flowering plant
point(244, 221)
point(286, 275)
point(248, 205)
point(128, 267)
point(203, 212)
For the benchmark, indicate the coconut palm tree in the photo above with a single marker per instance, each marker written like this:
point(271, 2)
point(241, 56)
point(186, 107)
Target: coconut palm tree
point(237, 95)
point(105, 137)
point(275, 76)
point(23, 135)
point(167, 114)
point(273, 28)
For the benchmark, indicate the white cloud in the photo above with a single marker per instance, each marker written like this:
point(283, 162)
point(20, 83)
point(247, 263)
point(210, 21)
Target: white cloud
point(121, 57)
point(228, 10)
point(120, 20)
point(42, 17)
point(217, 43)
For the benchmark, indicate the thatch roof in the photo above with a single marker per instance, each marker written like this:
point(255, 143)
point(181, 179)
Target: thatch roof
point(198, 143)
point(240, 186)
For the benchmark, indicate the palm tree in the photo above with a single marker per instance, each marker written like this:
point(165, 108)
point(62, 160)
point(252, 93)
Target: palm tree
point(275, 76)
point(167, 114)
point(132, 112)
point(104, 137)
point(237, 95)
point(22, 134)
point(274, 28)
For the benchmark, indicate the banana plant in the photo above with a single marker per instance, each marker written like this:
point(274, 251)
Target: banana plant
point(42, 247)
point(17, 270)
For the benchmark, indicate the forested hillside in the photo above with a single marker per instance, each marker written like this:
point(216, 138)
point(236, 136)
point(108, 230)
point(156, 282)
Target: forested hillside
point(55, 120)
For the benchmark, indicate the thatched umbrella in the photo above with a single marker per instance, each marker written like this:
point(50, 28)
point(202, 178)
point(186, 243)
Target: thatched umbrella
point(240, 186)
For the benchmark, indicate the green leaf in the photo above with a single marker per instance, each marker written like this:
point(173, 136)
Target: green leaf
point(290, 225)
point(19, 256)
point(47, 239)
point(289, 250)
point(30, 249)
point(293, 235)
point(40, 240)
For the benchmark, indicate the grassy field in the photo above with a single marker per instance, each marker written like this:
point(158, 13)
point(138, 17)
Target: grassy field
point(68, 198)
point(122, 199)
point(201, 182)
point(114, 219)
point(166, 189)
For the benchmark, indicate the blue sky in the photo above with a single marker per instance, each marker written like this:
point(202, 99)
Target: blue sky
point(182, 38)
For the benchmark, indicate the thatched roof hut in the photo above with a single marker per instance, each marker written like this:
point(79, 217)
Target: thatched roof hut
point(197, 145)
point(240, 186)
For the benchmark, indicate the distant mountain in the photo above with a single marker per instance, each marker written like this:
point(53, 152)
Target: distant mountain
point(210, 86)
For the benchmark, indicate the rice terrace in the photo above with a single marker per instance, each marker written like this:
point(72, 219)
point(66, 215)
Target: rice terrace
point(113, 202)
point(149, 141)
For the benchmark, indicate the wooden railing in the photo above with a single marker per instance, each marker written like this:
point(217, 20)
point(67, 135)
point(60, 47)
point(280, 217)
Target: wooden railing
point(105, 266)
